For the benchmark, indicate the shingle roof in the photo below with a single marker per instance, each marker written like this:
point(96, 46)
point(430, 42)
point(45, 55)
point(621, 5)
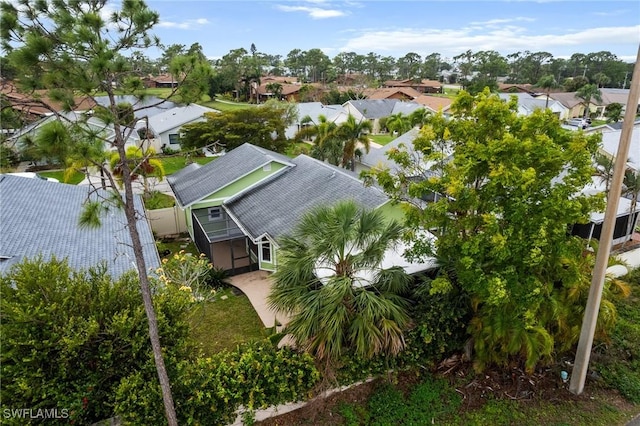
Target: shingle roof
point(374, 108)
point(378, 156)
point(275, 207)
point(176, 117)
point(41, 217)
point(434, 102)
point(197, 183)
point(611, 142)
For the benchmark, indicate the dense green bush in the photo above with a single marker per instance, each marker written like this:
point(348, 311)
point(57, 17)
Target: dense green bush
point(210, 390)
point(69, 337)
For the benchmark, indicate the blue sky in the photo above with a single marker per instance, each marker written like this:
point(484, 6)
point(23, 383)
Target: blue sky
point(394, 28)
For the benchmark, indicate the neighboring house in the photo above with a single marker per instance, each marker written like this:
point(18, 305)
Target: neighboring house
point(160, 81)
point(399, 93)
point(93, 124)
point(375, 109)
point(515, 88)
point(377, 157)
point(434, 103)
point(143, 107)
point(333, 113)
point(527, 104)
point(40, 218)
point(37, 105)
point(166, 126)
point(238, 206)
point(422, 86)
point(611, 141)
point(568, 100)
point(626, 218)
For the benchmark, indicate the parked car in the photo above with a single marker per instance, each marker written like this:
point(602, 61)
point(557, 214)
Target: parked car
point(579, 122)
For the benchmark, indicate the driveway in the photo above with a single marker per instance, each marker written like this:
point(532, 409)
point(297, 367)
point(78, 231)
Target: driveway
point(256, 286)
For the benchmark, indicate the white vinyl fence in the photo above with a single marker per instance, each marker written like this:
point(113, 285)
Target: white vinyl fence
point(167, 222)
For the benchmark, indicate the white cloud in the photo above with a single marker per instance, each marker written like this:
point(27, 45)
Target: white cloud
point(493, 22)
point(313, 12)
point(618, 12)
point(189, 24)
point(507, 39)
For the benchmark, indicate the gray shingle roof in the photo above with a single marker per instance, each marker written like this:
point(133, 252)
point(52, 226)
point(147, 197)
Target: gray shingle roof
point(374, 108)
point(379, 155)
point(275, 207)
point(176, 117)
point(41, 217)
point(195, 183)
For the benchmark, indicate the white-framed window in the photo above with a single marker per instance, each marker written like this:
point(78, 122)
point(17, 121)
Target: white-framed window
point(215, 214)
point(174, 138)
point(265, 247)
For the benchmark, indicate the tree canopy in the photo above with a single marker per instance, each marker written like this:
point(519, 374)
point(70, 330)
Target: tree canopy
point(508, 188)
point(261, 126)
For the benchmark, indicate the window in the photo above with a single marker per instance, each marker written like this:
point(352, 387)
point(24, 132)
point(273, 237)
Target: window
point(215, 214)
point(266, 250)
point(174, 139)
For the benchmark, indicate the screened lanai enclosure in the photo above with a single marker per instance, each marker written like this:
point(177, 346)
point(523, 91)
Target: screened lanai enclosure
point(223, 242)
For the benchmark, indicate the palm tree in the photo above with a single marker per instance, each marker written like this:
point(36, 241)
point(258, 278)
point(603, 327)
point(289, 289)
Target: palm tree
point(331, 282)
point(604, 169)
point(398, 123)
point(547, 82)
point(419, 117)
point(586, 93)
point(353, 133)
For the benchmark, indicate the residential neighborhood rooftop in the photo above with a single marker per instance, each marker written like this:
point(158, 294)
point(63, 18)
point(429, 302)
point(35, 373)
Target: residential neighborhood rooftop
point(276, 206)
point(38, 217)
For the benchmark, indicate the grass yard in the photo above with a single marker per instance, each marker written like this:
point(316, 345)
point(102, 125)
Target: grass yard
point(226, 322)
point(382, 139)
point(177, 162)
point(168, 248)
point(225, 105)
point(74, 179)
point(158, 200)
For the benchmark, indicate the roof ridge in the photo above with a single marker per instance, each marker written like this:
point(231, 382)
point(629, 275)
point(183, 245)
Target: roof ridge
point(331, 167)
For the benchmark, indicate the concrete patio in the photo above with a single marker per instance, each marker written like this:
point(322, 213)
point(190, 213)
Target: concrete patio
point(256, 286)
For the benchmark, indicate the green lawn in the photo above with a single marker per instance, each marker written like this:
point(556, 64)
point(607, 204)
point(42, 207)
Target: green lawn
point(173, 163)
point(382, 139)
point(75, 178)
point(158, 200)
point(226, 105)
point(226, 322)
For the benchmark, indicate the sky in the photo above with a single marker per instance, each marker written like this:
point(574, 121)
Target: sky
point(395, 28)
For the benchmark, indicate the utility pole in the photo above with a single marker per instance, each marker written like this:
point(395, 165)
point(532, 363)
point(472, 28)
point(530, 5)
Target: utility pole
point(587, 332)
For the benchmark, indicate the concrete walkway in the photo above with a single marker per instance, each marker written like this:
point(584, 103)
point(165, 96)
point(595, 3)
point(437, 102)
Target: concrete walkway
point(257, 285)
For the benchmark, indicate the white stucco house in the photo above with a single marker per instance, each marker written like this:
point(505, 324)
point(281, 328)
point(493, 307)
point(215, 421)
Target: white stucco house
point(165, 127)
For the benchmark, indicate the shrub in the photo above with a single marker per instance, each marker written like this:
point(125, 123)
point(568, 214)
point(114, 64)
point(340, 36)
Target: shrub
point(8, 157)
point(70, 337)
point(210, 390)
point(188, 273)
